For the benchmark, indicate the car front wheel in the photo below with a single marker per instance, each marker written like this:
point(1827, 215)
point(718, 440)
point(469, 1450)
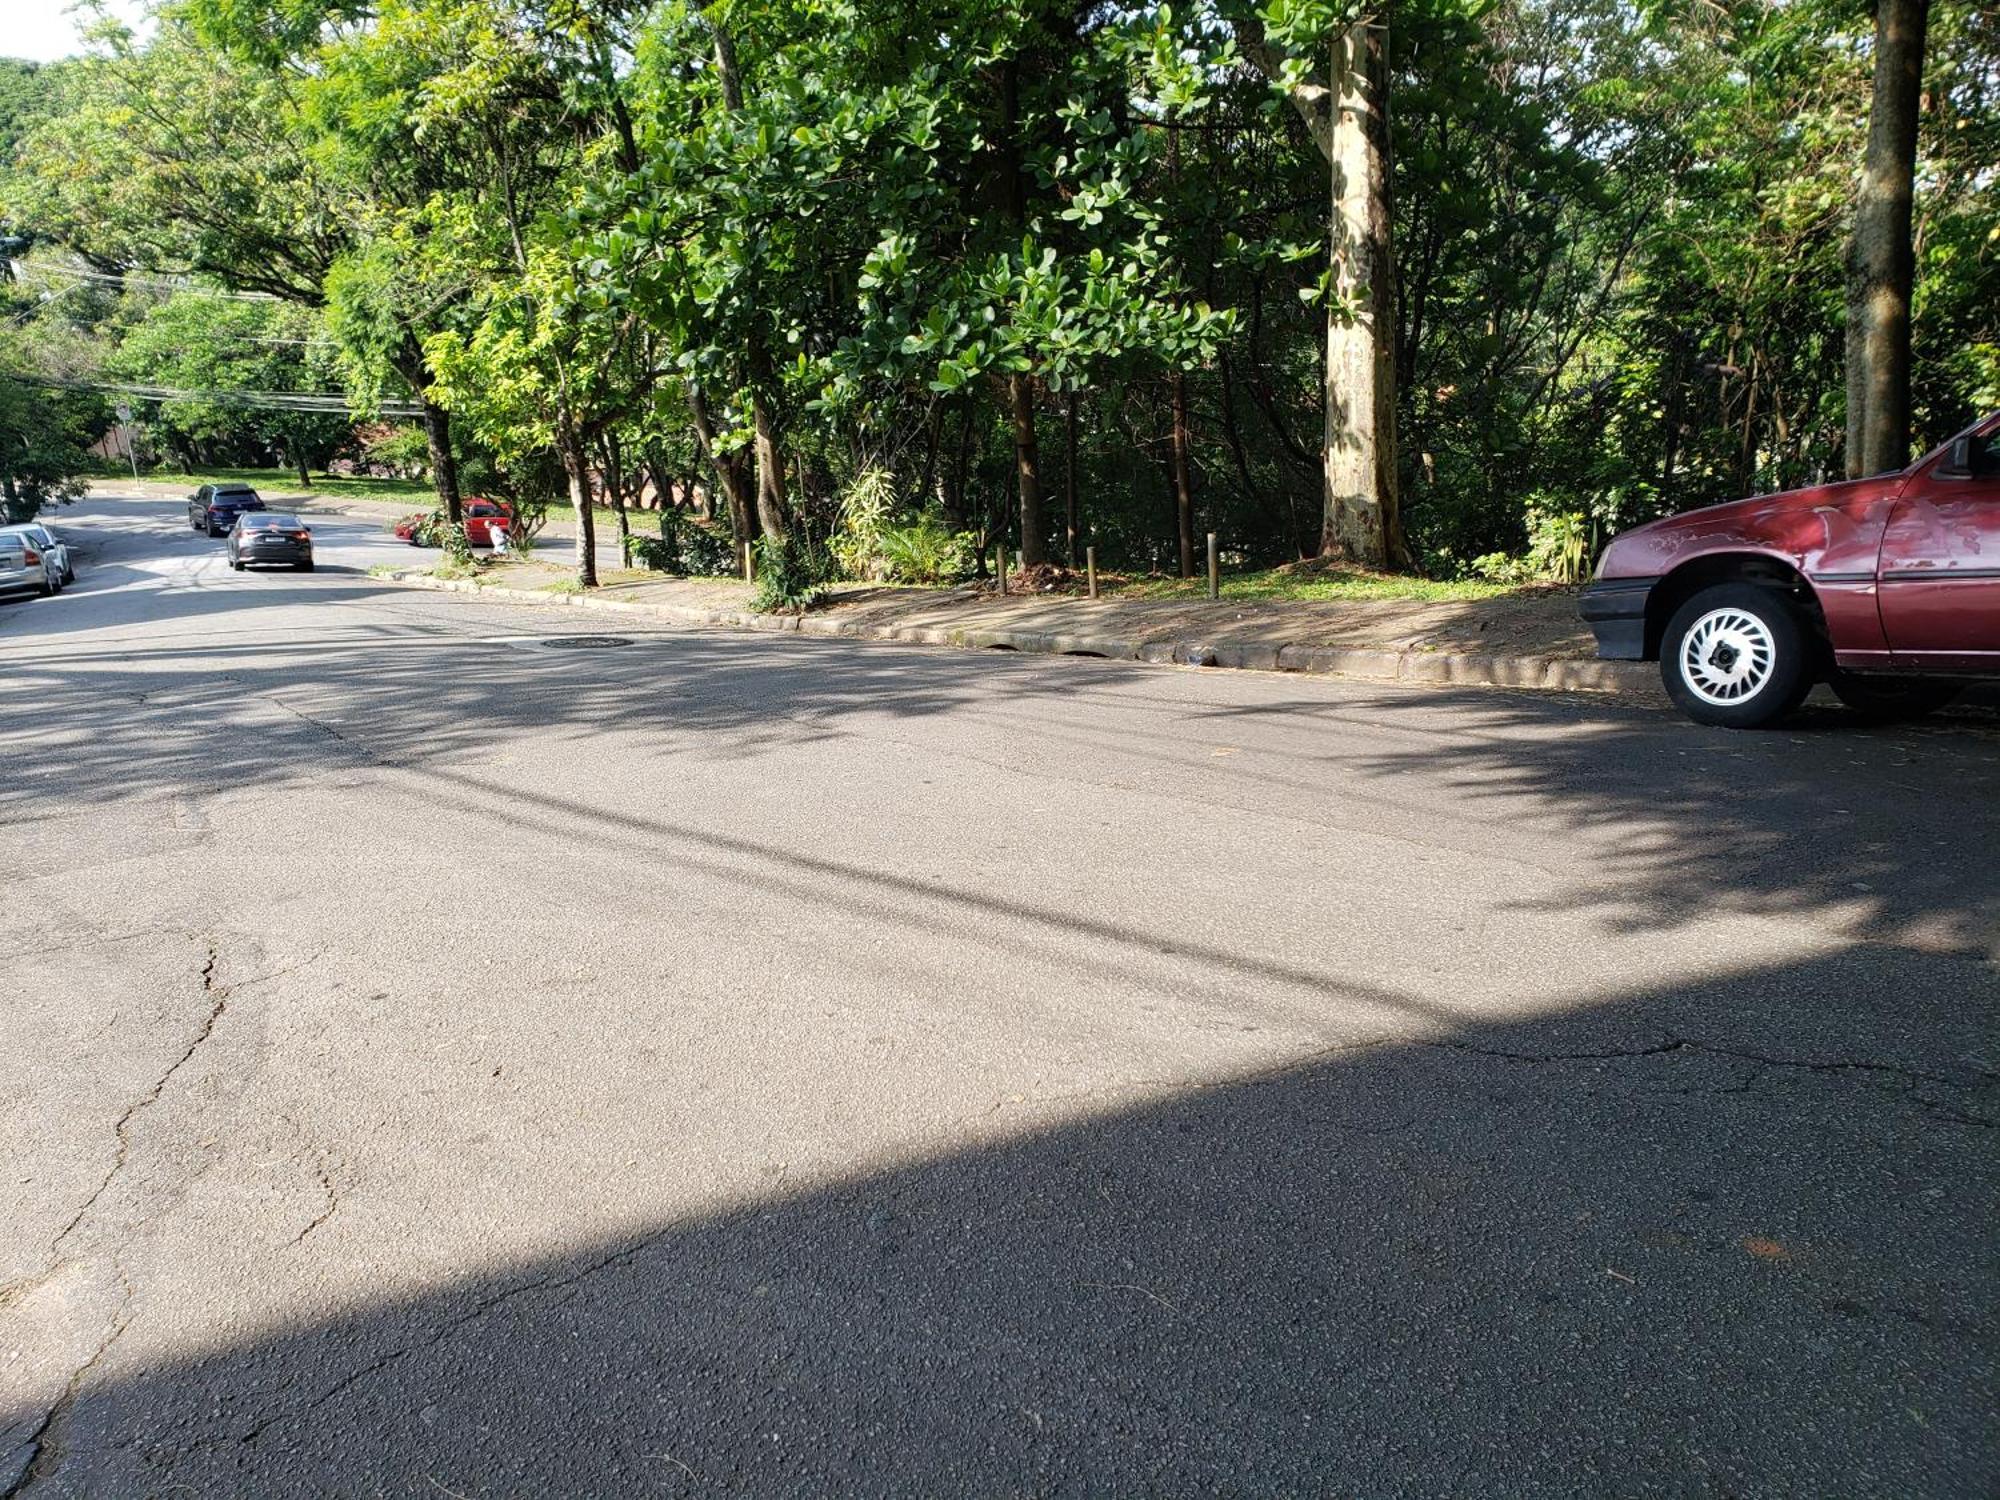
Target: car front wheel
point(1737, 655)
point(1889, 699)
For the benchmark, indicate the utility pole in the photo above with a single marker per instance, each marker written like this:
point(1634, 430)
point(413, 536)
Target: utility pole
point(131, 449)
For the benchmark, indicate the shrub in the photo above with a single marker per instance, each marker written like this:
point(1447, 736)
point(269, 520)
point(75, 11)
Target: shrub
point(792, 574)
point(865, 508)
point(436, 530)
point(1561, 545)
point(1561, 549)
point(690, 548)
point(925, 553)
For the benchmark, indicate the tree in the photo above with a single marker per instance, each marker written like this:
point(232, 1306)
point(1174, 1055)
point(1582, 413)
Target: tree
point(46, 428)
point(1881, 265)
point(232, 355)
point(1348, 119)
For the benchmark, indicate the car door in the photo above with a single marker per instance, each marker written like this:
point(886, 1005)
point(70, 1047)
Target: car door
point(1940, 568)
point(198, 505)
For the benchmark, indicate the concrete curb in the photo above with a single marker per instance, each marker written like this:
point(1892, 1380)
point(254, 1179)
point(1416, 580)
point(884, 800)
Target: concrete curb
point(1629, 679)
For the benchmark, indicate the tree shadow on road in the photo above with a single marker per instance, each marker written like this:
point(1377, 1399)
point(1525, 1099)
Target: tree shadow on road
point(1729, 1238)
point(1886, 834)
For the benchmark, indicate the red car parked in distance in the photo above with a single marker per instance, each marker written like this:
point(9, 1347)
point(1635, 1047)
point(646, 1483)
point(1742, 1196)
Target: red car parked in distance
point(482, 518)
point(1887, 589)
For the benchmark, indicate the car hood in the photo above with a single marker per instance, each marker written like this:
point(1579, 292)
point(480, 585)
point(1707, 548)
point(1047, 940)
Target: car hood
point(1811, 497)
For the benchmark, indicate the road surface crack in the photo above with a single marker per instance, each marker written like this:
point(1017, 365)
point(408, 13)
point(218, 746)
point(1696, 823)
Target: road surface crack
point(43, 1445)
point(330, 1198)
point(218, 996)
point(1913, 1080)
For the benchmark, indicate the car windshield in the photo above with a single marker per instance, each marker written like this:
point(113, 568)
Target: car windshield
point(270, 522)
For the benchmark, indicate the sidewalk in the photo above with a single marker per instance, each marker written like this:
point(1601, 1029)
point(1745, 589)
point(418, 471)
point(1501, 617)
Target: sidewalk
point(1529, 641)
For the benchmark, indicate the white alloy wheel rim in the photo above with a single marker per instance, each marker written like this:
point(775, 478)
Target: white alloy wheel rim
point(1728, 656)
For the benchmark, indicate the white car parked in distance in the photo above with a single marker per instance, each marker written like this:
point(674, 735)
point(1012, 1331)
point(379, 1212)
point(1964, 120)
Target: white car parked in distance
point(25, 566)
point(55, 551)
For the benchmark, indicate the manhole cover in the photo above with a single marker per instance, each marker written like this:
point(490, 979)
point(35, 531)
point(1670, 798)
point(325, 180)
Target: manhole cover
point(586, 642)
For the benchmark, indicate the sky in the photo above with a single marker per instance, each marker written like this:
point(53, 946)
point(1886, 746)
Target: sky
point(43, 30)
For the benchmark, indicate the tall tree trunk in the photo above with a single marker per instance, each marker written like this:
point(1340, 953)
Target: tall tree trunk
point(1361, 515)
point(771, 518)
point(1361, 520)
point(731, 477)
point(614, 491)
point(662, 482)
point(444, 468)
point(299, 461)
point(1027, 470)
point(700, 497)
point(951, 485)
point(1183, 483)
point(1881, 264)
point(575, 457)
point(1071, 537)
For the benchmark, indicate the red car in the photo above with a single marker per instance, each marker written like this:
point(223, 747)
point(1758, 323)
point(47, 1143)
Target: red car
point(1887, 589)
point(482, 517)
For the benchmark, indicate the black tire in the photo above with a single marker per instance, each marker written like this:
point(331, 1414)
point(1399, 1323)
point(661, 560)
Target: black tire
point(1753, 664)
point(210, 530)
point(236, 563)
point(69, 575)
point(1889, 700)
point(304, 567)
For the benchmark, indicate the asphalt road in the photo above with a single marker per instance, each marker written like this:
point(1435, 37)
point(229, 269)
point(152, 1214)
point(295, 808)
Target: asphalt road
point(444, 1058)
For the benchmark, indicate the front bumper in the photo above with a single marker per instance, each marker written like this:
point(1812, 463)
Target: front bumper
point(1615, 610)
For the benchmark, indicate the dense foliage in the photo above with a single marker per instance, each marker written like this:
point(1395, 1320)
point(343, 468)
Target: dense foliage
point(892, 281)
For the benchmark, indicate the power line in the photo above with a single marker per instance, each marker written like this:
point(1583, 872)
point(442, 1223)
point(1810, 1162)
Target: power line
point(307, 401)
point(134, 282)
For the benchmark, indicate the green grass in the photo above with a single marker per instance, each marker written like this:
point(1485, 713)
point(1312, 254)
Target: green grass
point(1283, 584)
point(286, 482)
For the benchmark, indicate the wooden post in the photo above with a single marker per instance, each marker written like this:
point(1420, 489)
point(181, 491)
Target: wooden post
point(1214, 572)
point(749, 564)
point(1000, 565)
point(1090, 569)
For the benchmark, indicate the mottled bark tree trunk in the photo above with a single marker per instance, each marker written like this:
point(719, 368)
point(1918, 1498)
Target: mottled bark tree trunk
point(1881, 264)
point(575, 457)
point(771, 520)
point(614, 491)
point(1361, 520)
point(731, 475)
point(1072, 536)
point(1183, 481)
point(1027, 470)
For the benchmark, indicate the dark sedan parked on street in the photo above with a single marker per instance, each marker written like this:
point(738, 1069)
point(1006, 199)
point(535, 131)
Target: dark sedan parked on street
point(269, 537)
point(1887, 589)
point(214, 507)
